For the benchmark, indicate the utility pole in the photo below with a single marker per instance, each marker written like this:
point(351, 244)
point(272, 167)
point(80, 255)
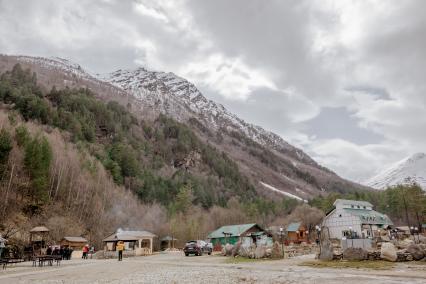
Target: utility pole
point(281, 237)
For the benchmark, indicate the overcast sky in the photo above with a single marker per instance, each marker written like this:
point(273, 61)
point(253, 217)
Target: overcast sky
point(343, 80)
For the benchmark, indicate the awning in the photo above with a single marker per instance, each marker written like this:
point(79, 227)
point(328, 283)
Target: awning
point(75, 239)
point(39, 229)
point(116, 238)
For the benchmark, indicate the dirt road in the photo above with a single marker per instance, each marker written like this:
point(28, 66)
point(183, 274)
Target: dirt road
point(176, 268)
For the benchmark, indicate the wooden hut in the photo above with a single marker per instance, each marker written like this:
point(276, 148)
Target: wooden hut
point(76, 243)
point(296, 233)
point(135, 242)
point(168, 243)
point(38, 238)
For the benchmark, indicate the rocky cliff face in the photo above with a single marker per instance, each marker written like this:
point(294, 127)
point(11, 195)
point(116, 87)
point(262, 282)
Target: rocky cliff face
point(267, 159)
point(180, 99)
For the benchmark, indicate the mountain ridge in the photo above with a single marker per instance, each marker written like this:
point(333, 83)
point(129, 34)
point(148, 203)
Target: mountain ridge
point(140, 80)
point(409, 170)
point(262, 155)
point(121, 78)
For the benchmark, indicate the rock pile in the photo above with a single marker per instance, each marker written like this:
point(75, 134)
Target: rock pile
point(236, 249)
point(263, 251)
point(260, 252)
point(402, 255)
point(277, 251)
point(355, 254)
point(417, 251)
point(227, 250)
point(388, 252)
point(405, 250)
point(373, 255)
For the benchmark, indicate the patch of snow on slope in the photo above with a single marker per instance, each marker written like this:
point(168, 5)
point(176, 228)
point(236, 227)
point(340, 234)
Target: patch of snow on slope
point(270, 187)
point(407, 171)
point(288, 178)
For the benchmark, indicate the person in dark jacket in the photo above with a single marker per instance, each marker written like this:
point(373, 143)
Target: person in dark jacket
point(67, 253)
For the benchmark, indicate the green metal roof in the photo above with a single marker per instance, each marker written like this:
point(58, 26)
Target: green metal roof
point(293, 227)
point(353, 202)
point(231, 231)
point(370, 216)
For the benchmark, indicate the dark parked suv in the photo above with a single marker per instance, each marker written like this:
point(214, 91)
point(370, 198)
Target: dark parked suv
point(197, 247)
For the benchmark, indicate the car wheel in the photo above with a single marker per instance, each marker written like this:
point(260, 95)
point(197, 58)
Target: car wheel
point(186, 254)
point(210, 253)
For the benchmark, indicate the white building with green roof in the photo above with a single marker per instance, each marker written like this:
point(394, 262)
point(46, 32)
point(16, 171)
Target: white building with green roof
point(354, 218)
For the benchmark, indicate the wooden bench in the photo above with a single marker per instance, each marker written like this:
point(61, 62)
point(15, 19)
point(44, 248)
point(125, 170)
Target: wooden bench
point(8, 261)
point(46, 259)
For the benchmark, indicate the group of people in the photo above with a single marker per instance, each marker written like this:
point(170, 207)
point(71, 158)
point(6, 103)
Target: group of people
point(64, 252)
point(87, 250)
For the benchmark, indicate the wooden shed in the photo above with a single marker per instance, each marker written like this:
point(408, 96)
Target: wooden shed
point(296, 233)
point(76, 243)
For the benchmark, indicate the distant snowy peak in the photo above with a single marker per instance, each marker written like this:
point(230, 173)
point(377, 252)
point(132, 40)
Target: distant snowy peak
point(58, 64)
point(177, 97)
point(407, 171)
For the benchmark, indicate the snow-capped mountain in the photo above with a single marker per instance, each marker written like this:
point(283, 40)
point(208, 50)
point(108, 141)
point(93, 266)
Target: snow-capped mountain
point(261, 155)
point(174, 96)
point(407, 171)
point(180, 99)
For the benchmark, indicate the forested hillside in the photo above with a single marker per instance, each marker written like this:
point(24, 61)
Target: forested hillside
point(85, 166)
point(275, 168)
point(133, 151)
point(81, 164)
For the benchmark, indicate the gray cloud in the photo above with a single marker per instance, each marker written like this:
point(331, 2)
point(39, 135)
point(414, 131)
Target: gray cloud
point(341, 79)
point(338, 123)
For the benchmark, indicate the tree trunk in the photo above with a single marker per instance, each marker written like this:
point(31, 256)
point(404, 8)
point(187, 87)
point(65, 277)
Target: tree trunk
point(7, 190)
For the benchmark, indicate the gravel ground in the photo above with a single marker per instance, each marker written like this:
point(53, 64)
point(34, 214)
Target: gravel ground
point(176, 268)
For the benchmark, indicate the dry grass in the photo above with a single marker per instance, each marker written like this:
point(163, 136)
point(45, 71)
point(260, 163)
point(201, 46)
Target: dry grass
point(236, 260)
point(420, 262)
point(366, 264)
